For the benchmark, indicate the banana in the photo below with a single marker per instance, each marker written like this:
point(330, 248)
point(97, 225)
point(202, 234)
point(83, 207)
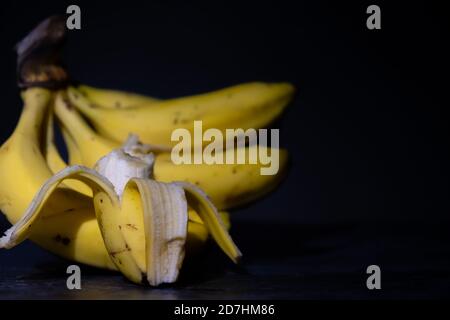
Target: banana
point(108, 98)
point(54, 160)
point(52, 156)
point(251, 105)
point(23, 168)
point(143, 222)
point(239, 183)
point(227, 185)
point(210, 216)
point(83, 143)
point(67, 225)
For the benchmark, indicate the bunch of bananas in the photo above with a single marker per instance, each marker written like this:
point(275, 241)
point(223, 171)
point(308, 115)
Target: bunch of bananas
point(120, 203)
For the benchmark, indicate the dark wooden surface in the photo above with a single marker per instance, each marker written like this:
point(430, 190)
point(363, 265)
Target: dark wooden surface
point(281, 262)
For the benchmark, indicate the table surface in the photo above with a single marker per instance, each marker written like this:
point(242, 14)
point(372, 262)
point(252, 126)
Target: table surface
point(296, 261)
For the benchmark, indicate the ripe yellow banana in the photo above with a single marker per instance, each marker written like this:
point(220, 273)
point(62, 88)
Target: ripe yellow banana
point(84, 144)
point(54, 160)
point(228, 185)
point(52, 156)
point(108, 98)
point(67, 224)
point(251, 105)
point(68, 227)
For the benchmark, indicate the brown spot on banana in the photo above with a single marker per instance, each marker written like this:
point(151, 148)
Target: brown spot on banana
point(131, 226)
point(64, 240)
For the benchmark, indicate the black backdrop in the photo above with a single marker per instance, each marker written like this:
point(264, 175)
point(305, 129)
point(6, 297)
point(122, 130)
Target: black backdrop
point(367, 133)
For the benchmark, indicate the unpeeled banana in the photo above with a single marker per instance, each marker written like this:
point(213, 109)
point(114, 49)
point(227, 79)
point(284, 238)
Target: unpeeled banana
point(67, 227)
point(228, 185)
point(109, 98)
point(252, 105)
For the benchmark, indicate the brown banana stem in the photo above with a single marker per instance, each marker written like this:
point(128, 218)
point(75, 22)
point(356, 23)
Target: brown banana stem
point(39, 55)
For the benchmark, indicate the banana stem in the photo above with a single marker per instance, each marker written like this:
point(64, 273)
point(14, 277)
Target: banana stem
point(39, 55)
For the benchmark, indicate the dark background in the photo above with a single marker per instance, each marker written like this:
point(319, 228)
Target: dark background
point(367, 131)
